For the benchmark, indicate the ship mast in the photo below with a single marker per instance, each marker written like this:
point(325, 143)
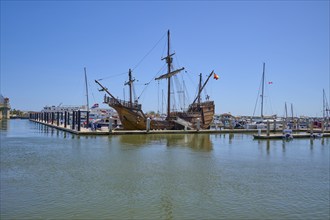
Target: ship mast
point(199, 89)
point(130, 84)
point(202, 87)
point(169, 62)
point(169, 74)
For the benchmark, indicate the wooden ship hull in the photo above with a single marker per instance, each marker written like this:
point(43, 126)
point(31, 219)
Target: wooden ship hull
point(133, 118)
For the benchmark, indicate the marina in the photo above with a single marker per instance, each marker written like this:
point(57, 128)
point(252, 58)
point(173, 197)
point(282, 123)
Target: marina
point(49, 173)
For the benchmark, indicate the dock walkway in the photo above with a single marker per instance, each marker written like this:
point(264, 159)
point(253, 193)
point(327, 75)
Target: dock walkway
point(105, 131)
point(280, 136)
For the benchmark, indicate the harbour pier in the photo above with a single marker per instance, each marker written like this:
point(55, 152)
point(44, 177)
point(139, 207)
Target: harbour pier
point(75, 122)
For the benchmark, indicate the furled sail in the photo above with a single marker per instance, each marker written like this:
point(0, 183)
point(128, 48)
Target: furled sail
point(170, 74)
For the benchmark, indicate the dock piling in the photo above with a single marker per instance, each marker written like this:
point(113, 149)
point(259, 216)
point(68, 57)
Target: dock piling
point(73, 120)
point(268, 127)
point(65, 118)
point(57, 118)
point(110, 124)
point(53, 117)
point(311, 127)
point(198, 124)
point(78, 120)
point(87, 119)
point(148, 124)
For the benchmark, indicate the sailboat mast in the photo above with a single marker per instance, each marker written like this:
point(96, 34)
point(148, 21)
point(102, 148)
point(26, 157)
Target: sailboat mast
point(292, 111)
point(324, 107)
point(169, 62)
point(286, 113)
point(262, 92)
point(86, 89)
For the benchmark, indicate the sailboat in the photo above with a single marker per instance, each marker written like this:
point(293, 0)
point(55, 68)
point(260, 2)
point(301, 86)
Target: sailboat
point(199, 114)
point(260, 123)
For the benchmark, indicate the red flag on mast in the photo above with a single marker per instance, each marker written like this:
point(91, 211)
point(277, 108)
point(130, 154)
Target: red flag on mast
point(215, 76)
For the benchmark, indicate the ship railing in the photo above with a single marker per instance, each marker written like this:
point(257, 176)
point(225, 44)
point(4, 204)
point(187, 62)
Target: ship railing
point(112, 101)
point(206, 103)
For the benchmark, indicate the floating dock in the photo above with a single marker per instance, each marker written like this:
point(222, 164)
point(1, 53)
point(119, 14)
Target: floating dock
point(299, 135)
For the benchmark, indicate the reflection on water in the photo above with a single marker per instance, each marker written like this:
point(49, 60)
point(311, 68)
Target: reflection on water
point(4, 124)
point(194, 141)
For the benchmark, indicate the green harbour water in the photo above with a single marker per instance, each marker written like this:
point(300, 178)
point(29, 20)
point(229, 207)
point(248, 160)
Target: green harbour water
point(51, 174)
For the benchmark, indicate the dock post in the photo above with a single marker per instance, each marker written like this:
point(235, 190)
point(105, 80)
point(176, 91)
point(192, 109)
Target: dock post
point(58, 118)
point(229, 121)
point(53, 116)
point(322, 126)
point(298, 124)
point(68, 121)
point(61, 118)
point(274, 125)
point(148, 124)
point(73, 120)
point(198, 124)
point(268, 127)
point(311, 127)
point(87, 119)
point(65, 118)
point(78, 120)
point(110, 124)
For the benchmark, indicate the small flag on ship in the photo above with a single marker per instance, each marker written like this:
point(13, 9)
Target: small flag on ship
point(270, 82)
point(215, 76)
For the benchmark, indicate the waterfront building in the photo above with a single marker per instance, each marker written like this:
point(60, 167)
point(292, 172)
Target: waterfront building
point(4, 107)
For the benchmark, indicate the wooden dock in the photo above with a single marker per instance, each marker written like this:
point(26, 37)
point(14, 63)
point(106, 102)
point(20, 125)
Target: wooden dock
point(105, 131)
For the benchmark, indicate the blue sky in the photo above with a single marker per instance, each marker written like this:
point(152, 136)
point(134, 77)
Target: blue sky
point(46, 45)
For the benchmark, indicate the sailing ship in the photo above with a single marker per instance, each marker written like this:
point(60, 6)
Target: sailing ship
point(198, 115)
